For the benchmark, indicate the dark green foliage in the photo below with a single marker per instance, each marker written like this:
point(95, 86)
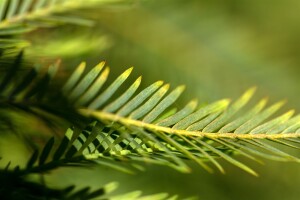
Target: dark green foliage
point(32, 91)
point(15, 186)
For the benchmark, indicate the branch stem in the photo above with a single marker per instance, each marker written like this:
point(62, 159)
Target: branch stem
point(131, 122)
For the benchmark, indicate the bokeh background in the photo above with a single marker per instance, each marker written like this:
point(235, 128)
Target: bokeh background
point(217, 49)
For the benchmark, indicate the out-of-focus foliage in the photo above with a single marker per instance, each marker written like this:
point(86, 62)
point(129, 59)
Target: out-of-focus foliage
point(235, 41)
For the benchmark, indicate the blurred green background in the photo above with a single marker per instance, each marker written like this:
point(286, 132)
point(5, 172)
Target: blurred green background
point(218, 49)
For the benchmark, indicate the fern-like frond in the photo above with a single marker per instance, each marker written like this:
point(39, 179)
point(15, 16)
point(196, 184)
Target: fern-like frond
point(138, 125)
point(75, 149)
point(22, 16)
point(19, 16)
point(81, 147)
point(14, 184)
point(218, 128)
